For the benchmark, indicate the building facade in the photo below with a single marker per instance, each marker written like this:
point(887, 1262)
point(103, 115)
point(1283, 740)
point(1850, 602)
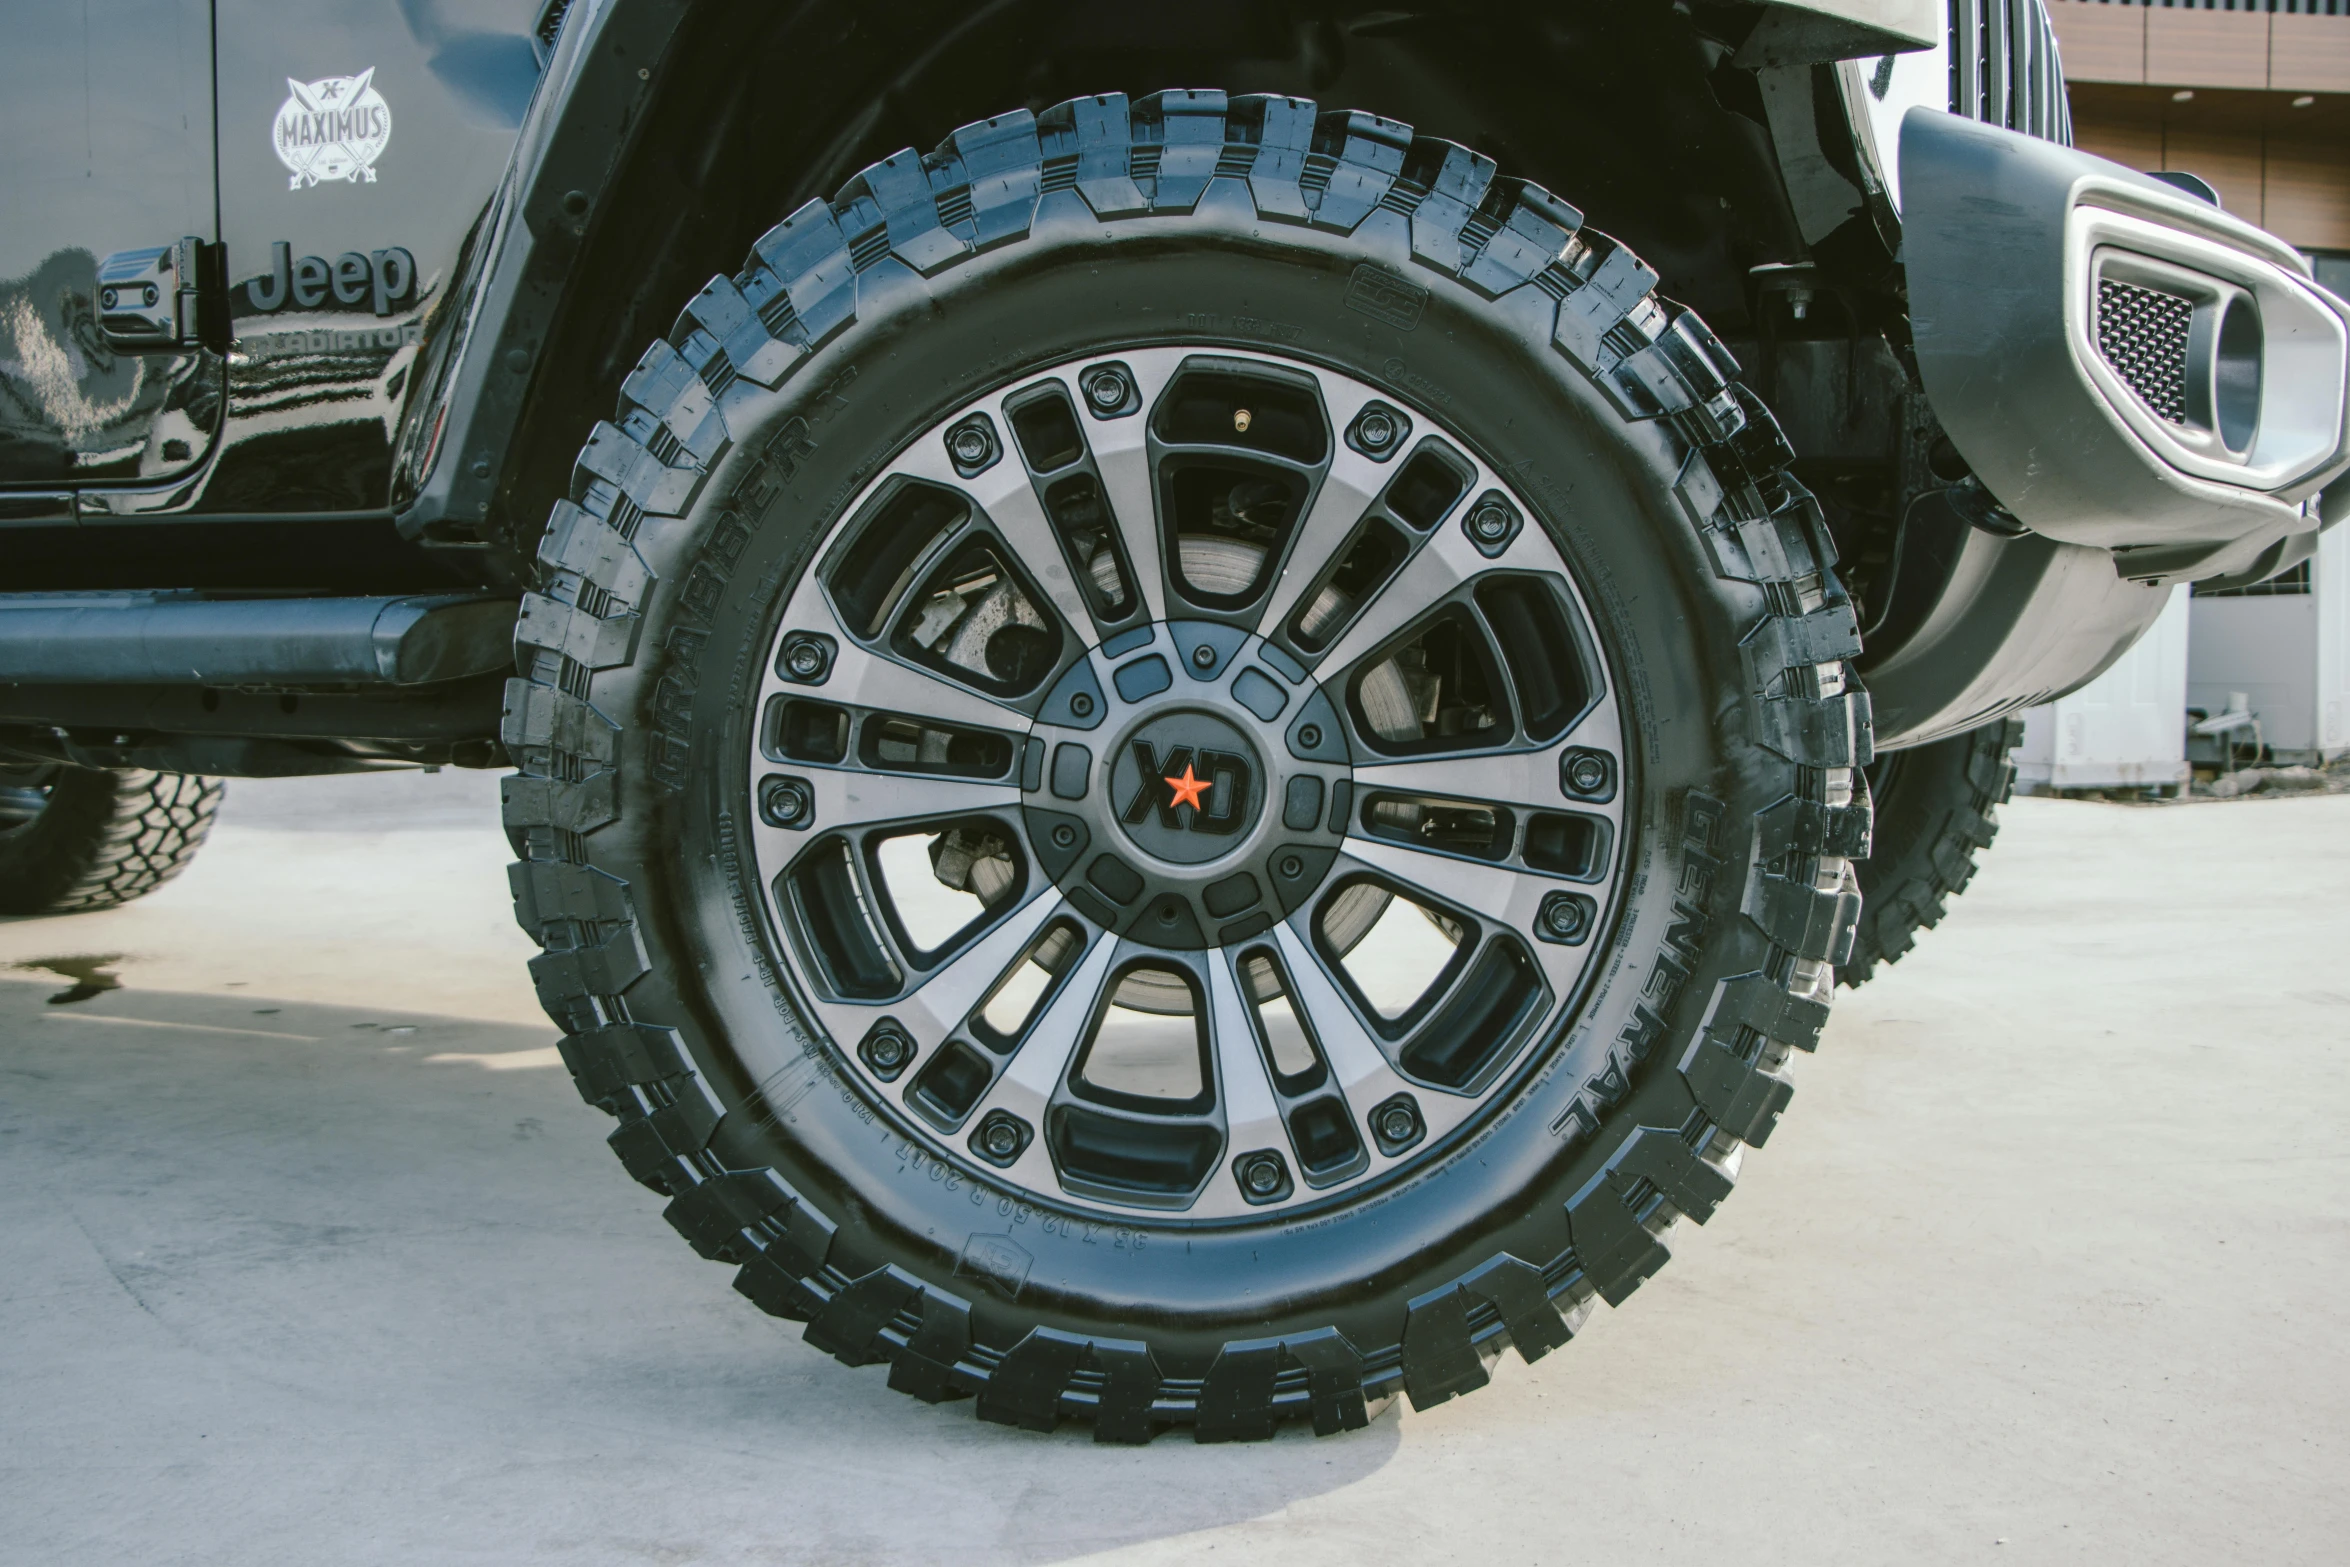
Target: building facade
point(2252, 95)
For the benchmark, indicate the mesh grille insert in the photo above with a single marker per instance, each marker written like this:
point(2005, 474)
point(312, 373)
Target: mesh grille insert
point(2142, 332)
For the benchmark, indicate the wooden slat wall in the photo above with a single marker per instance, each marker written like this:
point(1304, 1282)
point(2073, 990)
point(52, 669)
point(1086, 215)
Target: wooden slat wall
point(2294, 182)
point(2101, 43)
point(2204, 48)
point(2171, 46)
point(2308, 53)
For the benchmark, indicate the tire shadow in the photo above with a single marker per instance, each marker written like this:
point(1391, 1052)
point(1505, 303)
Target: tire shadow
point(315, 1282)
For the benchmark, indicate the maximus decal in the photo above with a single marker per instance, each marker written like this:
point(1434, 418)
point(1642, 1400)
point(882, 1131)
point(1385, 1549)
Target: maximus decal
point(332, 129)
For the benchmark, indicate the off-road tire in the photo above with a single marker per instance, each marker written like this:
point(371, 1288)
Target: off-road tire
point(1937, 810)
point(103, 839)
point(1253, 223)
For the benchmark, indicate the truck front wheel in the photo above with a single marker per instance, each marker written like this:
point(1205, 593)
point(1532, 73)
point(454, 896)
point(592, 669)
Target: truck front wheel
point(1186, 765)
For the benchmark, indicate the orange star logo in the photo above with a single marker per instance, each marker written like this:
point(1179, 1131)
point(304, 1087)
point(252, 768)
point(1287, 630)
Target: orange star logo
point(1188, 789)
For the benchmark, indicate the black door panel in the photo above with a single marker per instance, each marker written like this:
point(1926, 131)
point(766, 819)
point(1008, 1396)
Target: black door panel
point(105, 145)
point(360, 141)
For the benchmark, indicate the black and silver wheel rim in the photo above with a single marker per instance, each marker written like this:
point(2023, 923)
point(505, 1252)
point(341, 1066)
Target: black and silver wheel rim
point(1187, 786)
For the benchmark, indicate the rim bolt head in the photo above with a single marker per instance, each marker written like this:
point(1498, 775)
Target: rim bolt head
point(1064, 837)
point(1562, 915)
point(1310, 736)
point(1262, 1175)
point(887, 1049)
point(1107, 389)
point(1291, 867)
point(806, 657)
point(1002, 1139)
point(1203, 657)
point(1081, 704)
point(972, 445)
point(1489, 522)
point(786, 802)
point(1586, 773)
point(1397, 1124)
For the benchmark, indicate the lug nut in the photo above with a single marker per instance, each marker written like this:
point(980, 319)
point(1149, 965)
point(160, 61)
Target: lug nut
point(1001, 1138)
point(1203, 657)
point(1064, 837)
point(1107, 389)
point(1261, 1175)
point(1491, 523)
point(1081, 704)
point(1377, 431)
point(1587, 775)
point(1396, 1124)
point(1564, 917)
point(786, 802)
point(806, 657)
point(1291, 867)
point(887, 1049)
point(971, 445)
point(1310, 736)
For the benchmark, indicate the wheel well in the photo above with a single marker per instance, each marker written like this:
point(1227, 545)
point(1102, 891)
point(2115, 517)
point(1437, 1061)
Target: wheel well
point(1623, 109)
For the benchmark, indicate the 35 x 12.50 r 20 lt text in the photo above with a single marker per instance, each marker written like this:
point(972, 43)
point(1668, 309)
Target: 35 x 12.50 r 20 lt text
point(1197, 759)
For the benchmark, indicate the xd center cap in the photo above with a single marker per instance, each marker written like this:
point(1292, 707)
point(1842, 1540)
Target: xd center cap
point(1187, 785)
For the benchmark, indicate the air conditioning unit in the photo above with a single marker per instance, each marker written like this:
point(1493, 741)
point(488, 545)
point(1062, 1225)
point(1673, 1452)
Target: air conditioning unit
point(2127, 729)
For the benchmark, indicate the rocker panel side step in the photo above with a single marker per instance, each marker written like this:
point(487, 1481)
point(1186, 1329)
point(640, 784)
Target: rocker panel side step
point(183, 639)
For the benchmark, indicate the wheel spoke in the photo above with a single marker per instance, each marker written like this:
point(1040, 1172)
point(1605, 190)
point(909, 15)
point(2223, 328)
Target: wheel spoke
point(940, 1003)
point(1119, 453)
point(1521, 780)
point(1004, 493)
point(1358, 1065)
point(1346, 494)
point(1244, 1092)
point(846, 797)
point(1053, 1037)
point(868, 679)
point(1496, 896)
point(1434, 570)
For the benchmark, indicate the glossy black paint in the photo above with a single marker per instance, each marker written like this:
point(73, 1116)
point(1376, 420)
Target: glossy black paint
point(107, 146)
point(133, 122)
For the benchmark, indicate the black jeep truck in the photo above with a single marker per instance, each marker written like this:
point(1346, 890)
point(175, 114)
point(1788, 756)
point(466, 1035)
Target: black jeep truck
point(1198, 756)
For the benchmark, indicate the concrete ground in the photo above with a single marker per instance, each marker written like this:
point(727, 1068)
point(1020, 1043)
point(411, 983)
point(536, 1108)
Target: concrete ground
point(309, 1254)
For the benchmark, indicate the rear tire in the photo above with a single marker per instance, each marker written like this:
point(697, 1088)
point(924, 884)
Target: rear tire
point(74, 839)
point(728, 1014)
point(1937, 810)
